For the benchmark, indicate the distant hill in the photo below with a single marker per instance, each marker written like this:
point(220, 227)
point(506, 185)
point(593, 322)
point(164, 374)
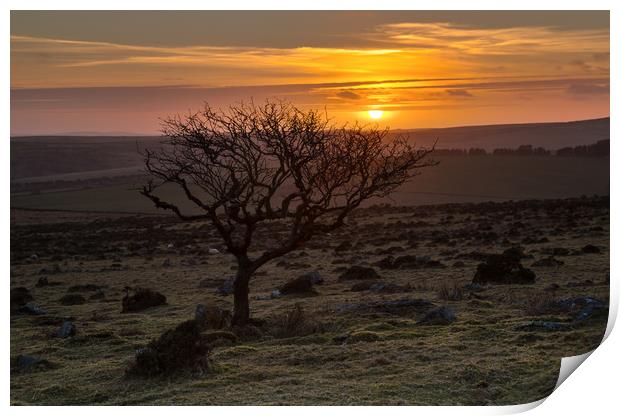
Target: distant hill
point(551, 136)
point(37, 156)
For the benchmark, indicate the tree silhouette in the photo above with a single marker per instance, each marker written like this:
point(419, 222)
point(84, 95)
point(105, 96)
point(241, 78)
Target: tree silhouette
point(254, 163)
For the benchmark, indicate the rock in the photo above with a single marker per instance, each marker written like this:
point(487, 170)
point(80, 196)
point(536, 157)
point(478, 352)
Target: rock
point(72, 299)
point(503, 269)
point(341, 338)
point(591, 249)
point(579, 307)
point(213, 251)
point(212, 317)
point(32, 309)
point(200, 314)
point(30, 363)
point(34, 257)
point(141, 299)
point(227, 287)
point(20, 296)
point(301, 284)
point(275, 294)
point(315, 277)
point(183, 347)
point(66, 330)
point(359, 273)
point(170, 246)
point(439, 316)
point(547, 262)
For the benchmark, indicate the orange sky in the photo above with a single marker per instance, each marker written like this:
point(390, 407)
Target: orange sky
point(120, 71)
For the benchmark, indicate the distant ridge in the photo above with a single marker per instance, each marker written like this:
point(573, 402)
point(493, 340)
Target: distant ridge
point(552, 135)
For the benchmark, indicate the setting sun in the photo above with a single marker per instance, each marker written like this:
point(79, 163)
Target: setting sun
point(375, 114)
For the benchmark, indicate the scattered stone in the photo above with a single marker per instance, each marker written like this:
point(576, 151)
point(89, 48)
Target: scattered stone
point(141, 299)
point(24, 363)
point(359, 273)
point(299, 285)
point(591, 249)
point(31, 308)
point(66, 330)
point(72, 299)
point(552, 287)
point(439, 316)
point(315, 277)
point(42, 282)
point(503, 269)
point(212, 317)
point(213, 251)
point(579, 307)
point(227, 287)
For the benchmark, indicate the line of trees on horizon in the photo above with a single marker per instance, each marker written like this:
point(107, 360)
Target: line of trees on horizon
point(598, 149)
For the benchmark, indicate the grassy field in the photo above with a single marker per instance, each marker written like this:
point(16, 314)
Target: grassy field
point(456, 179)
point(351, 351)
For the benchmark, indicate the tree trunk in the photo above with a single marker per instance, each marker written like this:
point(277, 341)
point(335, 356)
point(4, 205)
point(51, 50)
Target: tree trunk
point(241, 312)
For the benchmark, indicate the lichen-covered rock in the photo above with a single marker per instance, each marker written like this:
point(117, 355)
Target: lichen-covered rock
point(66, 330)
point(440, 316)
point(181, 348)
point(139, 299)
point(503, 269)
point(359, 273)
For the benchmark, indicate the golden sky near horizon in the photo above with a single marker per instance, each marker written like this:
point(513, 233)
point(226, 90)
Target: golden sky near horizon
point(120, 71)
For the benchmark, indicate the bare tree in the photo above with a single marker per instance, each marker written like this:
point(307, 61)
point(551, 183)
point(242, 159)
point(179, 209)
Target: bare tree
point(251, 164)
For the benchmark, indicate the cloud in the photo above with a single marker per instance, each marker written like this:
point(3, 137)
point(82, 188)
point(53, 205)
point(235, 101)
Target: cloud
point(348, 95)
point(587, 89)
point(459, 93)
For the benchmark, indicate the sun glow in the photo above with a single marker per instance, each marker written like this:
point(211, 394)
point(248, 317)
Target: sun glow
point(375, 114)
